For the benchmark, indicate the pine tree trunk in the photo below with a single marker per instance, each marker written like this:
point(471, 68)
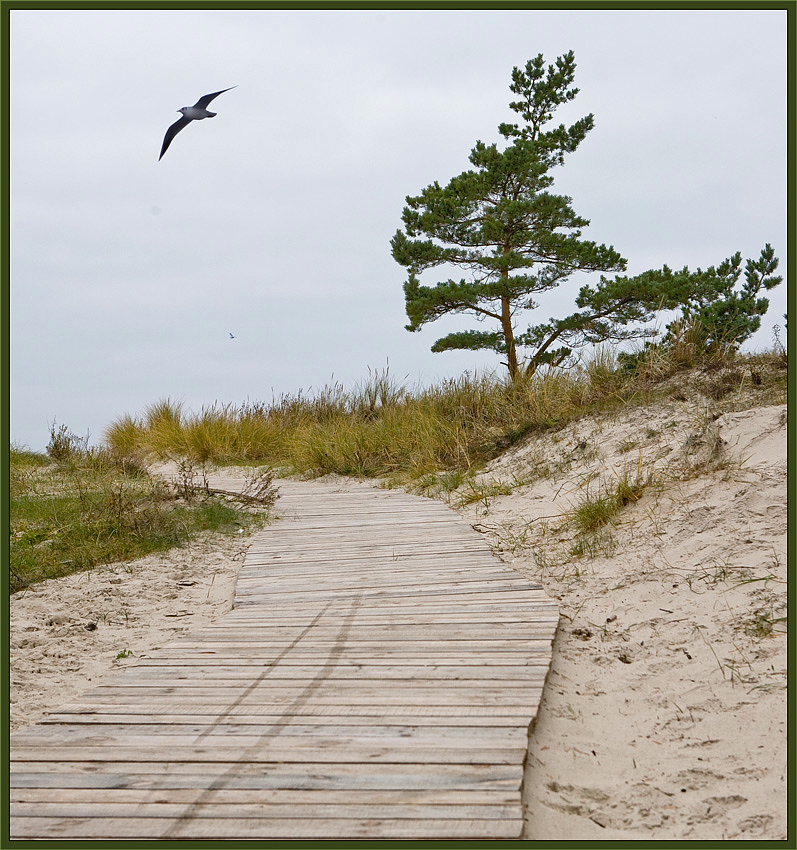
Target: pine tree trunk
point(509, 337)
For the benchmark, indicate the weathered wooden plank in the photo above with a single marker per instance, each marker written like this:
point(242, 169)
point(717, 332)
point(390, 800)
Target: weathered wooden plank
point(451, 620)
point(256, 656)
point(347, 588)
point(248, 828)
point(236, 673)
point(366, 588)
point(534, 624)
point(366, 644)
point(370, 609)
point(268, 811)
point(285, 699)
point(346, 544)
point(174, 707)
point(289, 676)
point(530, 595)
point(469, 611)
point(372, 633)
point(334, 776)
point(211, 736)
point(388, 571)
point(226, 731)
point(532, 653)
point(267, 753)
point(287, 690)
point(239, 720)
point(297, 686)
point(504, 592)
point(304, 551)
point(347, 562)
point(401, 550)
point(306, 510)
point(105, 733)
point(434, 796)
point(290, 665)
point(360, 525)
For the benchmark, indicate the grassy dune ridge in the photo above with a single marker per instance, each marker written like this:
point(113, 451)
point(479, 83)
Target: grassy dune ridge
point(382, 428)
point(77, 507)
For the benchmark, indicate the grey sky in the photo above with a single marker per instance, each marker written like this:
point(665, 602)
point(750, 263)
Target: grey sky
point(273, 220)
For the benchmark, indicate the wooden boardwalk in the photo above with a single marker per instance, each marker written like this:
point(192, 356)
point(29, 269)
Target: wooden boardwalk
point(375, 679)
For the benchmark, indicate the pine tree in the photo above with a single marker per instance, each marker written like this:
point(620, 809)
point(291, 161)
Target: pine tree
point(512, 239)
point(499, 224)
point(726, 316)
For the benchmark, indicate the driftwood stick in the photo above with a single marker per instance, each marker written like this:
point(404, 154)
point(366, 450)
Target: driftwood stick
point(244, 497)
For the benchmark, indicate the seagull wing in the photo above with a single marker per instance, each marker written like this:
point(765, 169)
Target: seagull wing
point(172, 132)
point(203, 101)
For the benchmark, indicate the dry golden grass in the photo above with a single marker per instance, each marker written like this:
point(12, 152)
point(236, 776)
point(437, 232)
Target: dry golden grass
point(382, 428)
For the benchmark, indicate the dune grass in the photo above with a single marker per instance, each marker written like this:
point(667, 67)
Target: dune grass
point(593, 513)
point(378, 429)
point(382, 428)
point(92, 507)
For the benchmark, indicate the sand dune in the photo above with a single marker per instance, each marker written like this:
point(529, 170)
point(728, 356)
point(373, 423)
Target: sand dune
point(664, 714)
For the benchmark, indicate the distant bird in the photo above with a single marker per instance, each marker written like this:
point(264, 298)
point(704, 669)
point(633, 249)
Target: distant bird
point(232, 336)
point(190, 113)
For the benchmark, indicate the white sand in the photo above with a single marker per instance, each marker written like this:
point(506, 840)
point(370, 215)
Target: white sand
point(665, 709)
point(664, 714)
point(134, 607)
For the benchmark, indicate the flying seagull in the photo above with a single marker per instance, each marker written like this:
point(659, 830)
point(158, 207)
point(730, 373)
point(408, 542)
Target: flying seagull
point(190, 113)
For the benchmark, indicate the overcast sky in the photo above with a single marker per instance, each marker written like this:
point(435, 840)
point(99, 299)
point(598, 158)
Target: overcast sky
point(272, 221)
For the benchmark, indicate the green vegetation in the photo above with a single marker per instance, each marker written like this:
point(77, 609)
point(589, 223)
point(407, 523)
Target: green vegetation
point(594, 513)
point(596, 544)
point(95, 507)
point(435, 437)
point(513, 240)
point(729, 315)
point(21, 457)
point(483, 492)
point(762, 624)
